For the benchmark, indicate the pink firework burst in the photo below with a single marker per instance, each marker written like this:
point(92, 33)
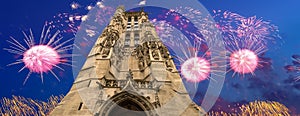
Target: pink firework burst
point(42, 57)
point(196, 69)
point(243, 61)
point(244, 56)
point(192, 57)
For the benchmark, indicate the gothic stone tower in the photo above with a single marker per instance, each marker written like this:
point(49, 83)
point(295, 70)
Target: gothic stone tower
point(129, 72)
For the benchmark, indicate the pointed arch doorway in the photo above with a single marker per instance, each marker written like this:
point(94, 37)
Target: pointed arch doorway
point(127, 104)
point(127, 108)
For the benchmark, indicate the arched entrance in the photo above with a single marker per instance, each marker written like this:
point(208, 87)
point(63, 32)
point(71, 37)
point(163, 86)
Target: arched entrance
point(127, 108)
point(127, 104)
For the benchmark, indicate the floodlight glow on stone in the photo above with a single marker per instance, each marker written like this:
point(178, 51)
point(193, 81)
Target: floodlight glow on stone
point(195, 69)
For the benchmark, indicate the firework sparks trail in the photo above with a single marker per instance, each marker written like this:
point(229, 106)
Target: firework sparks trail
point(246, 28)
point(75, 21)
point(269, 109)
point(247, 39)
point(22, 106)
point(66, 23)
point(74, 5)
point(190, 44)
point(44, 56)
point(256, 108)
point(103, 14)
point(189, 54)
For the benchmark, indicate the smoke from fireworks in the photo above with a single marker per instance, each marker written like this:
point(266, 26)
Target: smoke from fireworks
point(41, 57)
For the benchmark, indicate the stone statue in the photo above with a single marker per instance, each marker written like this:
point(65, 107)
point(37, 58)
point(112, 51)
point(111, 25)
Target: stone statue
point(169, 64)
point(147, 59)
point(155, 54)
point(164, 52)
point(105, 51)
point(153, 44)
point(141, 64)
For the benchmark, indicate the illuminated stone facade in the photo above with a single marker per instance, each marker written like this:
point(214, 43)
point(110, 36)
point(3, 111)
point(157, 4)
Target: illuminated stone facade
point(128, 72)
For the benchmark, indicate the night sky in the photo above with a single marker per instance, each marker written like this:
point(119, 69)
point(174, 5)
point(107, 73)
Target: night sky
point(269, 84)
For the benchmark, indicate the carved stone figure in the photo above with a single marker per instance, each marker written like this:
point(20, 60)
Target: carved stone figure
point(155, 54)
point(147, 59)
point(164, 52)
point(169, 64)
point(141, 64)
point(153, 44)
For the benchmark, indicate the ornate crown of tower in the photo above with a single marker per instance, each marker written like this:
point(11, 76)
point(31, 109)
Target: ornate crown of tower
point(128, 72)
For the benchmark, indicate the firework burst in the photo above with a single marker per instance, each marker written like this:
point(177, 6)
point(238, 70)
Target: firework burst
point(190, 46)
point(195, 69)
point(243, 61)
point(244, 56)
point(41, 57)
point(192, 58)
point(246, 38)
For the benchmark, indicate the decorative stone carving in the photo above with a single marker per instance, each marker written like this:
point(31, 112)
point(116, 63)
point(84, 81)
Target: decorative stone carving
point(155, 54)
point(109, 83)
point(169, 64)
point(147, 59)
point(156, 103)
point(153, 44)
point(105, 51)
point(150, 85)
point(122, 84)
point(115, 84)
point(143, 85)
point(129, 75)
point(113, 36)
point(105, 32)
point(139, 51)
point(164, 52)
point(141, 64)
point(119, 19)
point(159, 45)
